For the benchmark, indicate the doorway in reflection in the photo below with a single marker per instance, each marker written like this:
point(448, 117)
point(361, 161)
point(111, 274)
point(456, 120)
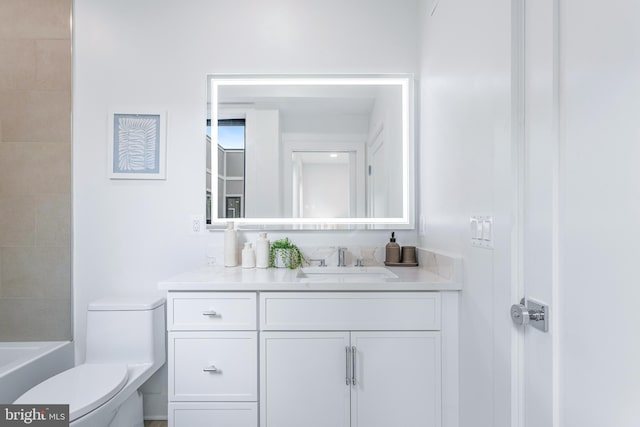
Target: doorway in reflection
point(322, 184)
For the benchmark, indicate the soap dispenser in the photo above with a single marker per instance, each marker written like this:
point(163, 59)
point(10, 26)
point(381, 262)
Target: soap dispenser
point(392, 255)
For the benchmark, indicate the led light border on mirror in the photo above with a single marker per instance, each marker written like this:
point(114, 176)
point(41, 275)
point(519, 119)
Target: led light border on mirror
point(404, 81)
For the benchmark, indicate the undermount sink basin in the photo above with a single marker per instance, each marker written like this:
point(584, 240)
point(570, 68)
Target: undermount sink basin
point(344, 274)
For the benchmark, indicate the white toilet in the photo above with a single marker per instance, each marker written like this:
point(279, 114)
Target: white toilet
point(125, 346)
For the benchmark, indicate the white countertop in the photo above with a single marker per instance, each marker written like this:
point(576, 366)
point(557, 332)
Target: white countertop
point(218, 278)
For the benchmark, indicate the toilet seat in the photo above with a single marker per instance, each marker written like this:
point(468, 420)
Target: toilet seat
point(84, 388)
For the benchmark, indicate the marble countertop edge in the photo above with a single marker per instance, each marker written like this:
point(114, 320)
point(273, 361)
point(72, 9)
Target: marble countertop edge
point(218, 278)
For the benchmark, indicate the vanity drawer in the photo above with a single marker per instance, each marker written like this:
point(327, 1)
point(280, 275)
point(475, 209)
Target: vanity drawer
point(227, 414)
point(213, 366)
point(349, 311)
point(196, 311)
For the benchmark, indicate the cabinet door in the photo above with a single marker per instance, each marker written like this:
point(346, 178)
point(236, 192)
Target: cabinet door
point(397, 379)
point(303, 379)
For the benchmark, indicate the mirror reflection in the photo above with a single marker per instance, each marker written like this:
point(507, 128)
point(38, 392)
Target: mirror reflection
point(330, 149)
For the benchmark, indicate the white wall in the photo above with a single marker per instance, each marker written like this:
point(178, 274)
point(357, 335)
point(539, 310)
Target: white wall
point(386, 115)
point(600, 131)
point(324, 124)
point(130, 234)
point(324, 192)
point(464, 170)
point(262, 171)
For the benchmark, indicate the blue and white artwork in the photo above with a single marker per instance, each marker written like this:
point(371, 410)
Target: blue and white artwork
point(136, 144)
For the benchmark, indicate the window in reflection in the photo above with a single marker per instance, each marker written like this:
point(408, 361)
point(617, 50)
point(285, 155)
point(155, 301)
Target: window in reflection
point(231, 168)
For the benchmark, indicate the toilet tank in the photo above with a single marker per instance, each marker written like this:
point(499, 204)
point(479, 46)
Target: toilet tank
point(129, 330)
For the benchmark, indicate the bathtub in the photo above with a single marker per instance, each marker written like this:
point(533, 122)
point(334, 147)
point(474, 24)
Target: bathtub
point(25, 364)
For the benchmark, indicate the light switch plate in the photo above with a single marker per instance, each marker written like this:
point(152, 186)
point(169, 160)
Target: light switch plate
point(481, 231)
point(487, 230)
point(422, 226)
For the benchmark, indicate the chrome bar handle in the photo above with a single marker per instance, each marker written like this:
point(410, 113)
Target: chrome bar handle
point(342, 257)
point(210, 313)
point(211, 368)
point(347, 351)
point(353, 365)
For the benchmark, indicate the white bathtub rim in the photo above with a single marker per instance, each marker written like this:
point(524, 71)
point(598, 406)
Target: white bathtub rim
point(44, 349)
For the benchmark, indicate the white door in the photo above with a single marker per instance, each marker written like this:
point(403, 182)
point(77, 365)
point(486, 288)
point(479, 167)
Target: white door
point(303, 379)
point(537, 225)
point(397, 379)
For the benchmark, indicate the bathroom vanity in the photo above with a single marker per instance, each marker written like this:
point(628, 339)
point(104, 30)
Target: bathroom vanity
point(325, 346)
point(278, 348)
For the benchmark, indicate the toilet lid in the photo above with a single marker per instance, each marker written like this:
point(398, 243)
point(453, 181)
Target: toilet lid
point(84, 388)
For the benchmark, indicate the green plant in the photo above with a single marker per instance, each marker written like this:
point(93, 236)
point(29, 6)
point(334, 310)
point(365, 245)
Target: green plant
point(288, 252)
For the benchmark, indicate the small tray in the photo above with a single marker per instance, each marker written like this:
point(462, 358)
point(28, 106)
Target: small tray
point(401, 264)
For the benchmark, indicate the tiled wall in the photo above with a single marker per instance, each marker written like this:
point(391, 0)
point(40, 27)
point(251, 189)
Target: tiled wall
point(35, 170)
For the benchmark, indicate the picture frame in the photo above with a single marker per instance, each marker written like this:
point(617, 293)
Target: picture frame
point(137, 144)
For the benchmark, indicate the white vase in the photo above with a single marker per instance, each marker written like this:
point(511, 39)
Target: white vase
point(230, 246)
point(262, 251)
point(248, 256)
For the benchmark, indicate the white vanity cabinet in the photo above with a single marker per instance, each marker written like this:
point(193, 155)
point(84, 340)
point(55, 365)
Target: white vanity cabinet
point(371, 379)
point(213, 359)
point(355, 359)
point(319, 358)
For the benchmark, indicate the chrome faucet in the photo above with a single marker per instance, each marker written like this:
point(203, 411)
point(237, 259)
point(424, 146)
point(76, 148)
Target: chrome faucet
point(342, 257)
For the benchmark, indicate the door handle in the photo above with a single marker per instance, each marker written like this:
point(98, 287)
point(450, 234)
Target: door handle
point(531, 312)
point(353, 365)
point(347, 352)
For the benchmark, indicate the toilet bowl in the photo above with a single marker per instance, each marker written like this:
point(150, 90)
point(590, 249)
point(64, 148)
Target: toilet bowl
point(125, 346)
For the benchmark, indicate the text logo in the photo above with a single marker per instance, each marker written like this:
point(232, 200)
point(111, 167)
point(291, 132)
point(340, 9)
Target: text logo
point(34, 415)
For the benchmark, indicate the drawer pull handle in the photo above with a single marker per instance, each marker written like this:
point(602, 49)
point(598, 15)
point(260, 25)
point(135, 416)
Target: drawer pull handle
point(211, 368)
point(210, 313)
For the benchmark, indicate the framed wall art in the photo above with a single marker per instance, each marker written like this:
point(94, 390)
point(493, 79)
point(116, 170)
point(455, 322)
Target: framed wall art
point(137, 145)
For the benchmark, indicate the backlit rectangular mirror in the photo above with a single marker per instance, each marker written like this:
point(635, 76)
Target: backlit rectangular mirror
point(310, 152)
